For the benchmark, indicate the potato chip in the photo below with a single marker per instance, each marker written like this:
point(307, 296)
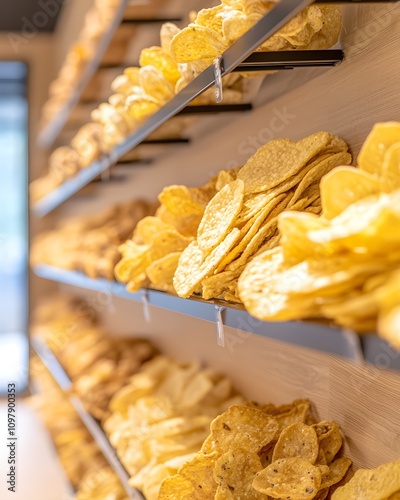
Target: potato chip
point(234, 473)
point(289, 477)
point(337, 471)
point(211, 18)
point(219, 215)
point(214, 285)
point(330, 443)
point(155, 84)
point(242, 427)
point(137, 282)
point(132, 73)
point(317, 172)
point(161, 271)
point(390, 179)
point(335, 199)
point(134, 260)
point(371, 484)
point(163, 62)
point(278, 160)
point(196, 42)
point(169, 241)
point(381, 137)
point(329, 33)
point(148, 228)
point(183, 201)
point(177, 486)
point(235, 24)
point(297, 440)
point(167, 33)
point(140, 107)
point(153, 480)
point(195, 265)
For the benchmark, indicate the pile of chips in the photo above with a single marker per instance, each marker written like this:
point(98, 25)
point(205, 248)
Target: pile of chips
point(151, 257)
point(166, 69)
point(263, 452)
point(78, 453)
point(382, 483)
point(98, 364)
point(241, 219)
point(90, 243)
point(97, 21)
point(80, 457)
point(213, 30)
point(161, 418)
point(345, 264)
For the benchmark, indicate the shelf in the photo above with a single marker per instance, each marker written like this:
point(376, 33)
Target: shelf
point(232, 57)
point(50, 132)
point(92, 425)
point(310, 335)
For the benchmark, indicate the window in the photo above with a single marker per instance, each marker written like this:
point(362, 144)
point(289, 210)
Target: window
point(14, 347)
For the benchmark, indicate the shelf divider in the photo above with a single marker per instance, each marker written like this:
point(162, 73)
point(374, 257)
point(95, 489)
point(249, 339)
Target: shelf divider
point(311, 335)
point(56, 370)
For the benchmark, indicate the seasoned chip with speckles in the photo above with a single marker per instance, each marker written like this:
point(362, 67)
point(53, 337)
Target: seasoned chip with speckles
point(293, 478)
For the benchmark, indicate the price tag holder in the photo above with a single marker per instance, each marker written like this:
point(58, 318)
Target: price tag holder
point(219, 310)
point(146, 306)
point(217, 63)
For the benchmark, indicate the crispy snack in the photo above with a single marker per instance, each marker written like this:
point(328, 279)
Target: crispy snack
point(90, 243)
point(82, 460)
point(259, 450)
point(151, 257)
point(97, 364)
point(159, 422)
point(382, 483)
point(342, 265)
point(242, 218)
point(215, 29)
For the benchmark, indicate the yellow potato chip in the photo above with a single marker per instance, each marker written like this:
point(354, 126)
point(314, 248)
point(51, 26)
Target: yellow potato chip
point(183, 201)
point(278, 160)
point(242, 427)
point(161, 271)
point(337, 471)
point(214, 285)
point(371, 484)
point(358, 184)
point(196, 42)
point(177, 487)
point(391, 168)
point(297, 440)
point(160, 59)
point(236, 23)
point(234, 473)
point(318, 171)
point(169, 241)
point(167, 33)
point(148, 228)
point(137, 282)
point(132, 73)
point(330, 443)
point(140, 107)
point(289, 477)
point(211, 18)
point(329, 33)
point(155, 84)
point(219, 215)
point(195, 265)
point(381, 137)
point(134, 261)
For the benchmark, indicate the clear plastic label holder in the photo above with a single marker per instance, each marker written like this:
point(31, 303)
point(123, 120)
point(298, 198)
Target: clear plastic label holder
point(217, 63)
point(146, 306)
point(220, 325)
